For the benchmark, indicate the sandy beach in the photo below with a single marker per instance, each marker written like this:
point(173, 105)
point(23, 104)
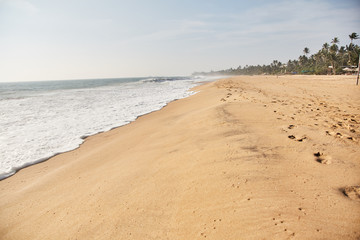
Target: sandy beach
point(248, 157)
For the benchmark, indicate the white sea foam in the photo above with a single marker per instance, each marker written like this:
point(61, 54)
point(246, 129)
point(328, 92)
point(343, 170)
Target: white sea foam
point(37, 125)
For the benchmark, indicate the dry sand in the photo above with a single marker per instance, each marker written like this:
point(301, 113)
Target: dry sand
point(245, 158)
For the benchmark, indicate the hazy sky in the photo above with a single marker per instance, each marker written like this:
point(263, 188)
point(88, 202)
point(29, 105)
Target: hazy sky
point(75, 39)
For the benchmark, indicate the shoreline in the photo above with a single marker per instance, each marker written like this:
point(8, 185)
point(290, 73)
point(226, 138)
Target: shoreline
point(83, 138)
point(234, 161)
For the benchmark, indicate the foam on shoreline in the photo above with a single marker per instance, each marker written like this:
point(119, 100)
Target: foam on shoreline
point(47, 123)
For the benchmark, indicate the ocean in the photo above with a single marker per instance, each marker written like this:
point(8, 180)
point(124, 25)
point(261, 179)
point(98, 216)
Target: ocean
point(41, 119)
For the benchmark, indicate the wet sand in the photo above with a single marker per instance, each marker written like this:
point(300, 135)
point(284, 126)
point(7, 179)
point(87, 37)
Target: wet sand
point(259, 157)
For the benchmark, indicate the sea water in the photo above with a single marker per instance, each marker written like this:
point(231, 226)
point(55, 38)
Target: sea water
point(41, 119)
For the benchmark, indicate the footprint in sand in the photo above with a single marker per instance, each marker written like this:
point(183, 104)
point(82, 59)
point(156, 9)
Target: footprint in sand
point(353, 120)
point(339, 135)
point(330, 133)
point(322, 158)
point(292, 137)
point(351, 138)
point(352, 192)
point(302, 139)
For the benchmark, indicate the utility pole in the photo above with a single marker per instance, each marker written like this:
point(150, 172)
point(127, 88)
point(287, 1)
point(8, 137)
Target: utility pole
point(357, 80)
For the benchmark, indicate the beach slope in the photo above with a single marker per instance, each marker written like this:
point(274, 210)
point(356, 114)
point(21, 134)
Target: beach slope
point(259, 157)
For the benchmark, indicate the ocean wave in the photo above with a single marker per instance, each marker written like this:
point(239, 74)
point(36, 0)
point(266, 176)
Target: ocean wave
point(166, 79)
point(48, 123)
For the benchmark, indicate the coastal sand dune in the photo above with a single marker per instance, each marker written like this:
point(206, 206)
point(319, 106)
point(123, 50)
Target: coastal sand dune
point(259, 157)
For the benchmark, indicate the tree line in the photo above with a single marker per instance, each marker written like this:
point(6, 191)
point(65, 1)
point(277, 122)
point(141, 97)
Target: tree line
point(330, 59)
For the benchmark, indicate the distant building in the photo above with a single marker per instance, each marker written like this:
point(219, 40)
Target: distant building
point(349, 70)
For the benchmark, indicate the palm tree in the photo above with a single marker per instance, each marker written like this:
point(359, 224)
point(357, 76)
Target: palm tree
point(335, 40)
point(325, 46)
point(306, 51)
point(302, 60)
point(349, 50)
point(333, 56)
point(334, 48)
point(353, 36)
point(324, 53)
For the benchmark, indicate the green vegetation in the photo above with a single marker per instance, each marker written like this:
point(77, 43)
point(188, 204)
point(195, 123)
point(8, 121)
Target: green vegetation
point(330, 59)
